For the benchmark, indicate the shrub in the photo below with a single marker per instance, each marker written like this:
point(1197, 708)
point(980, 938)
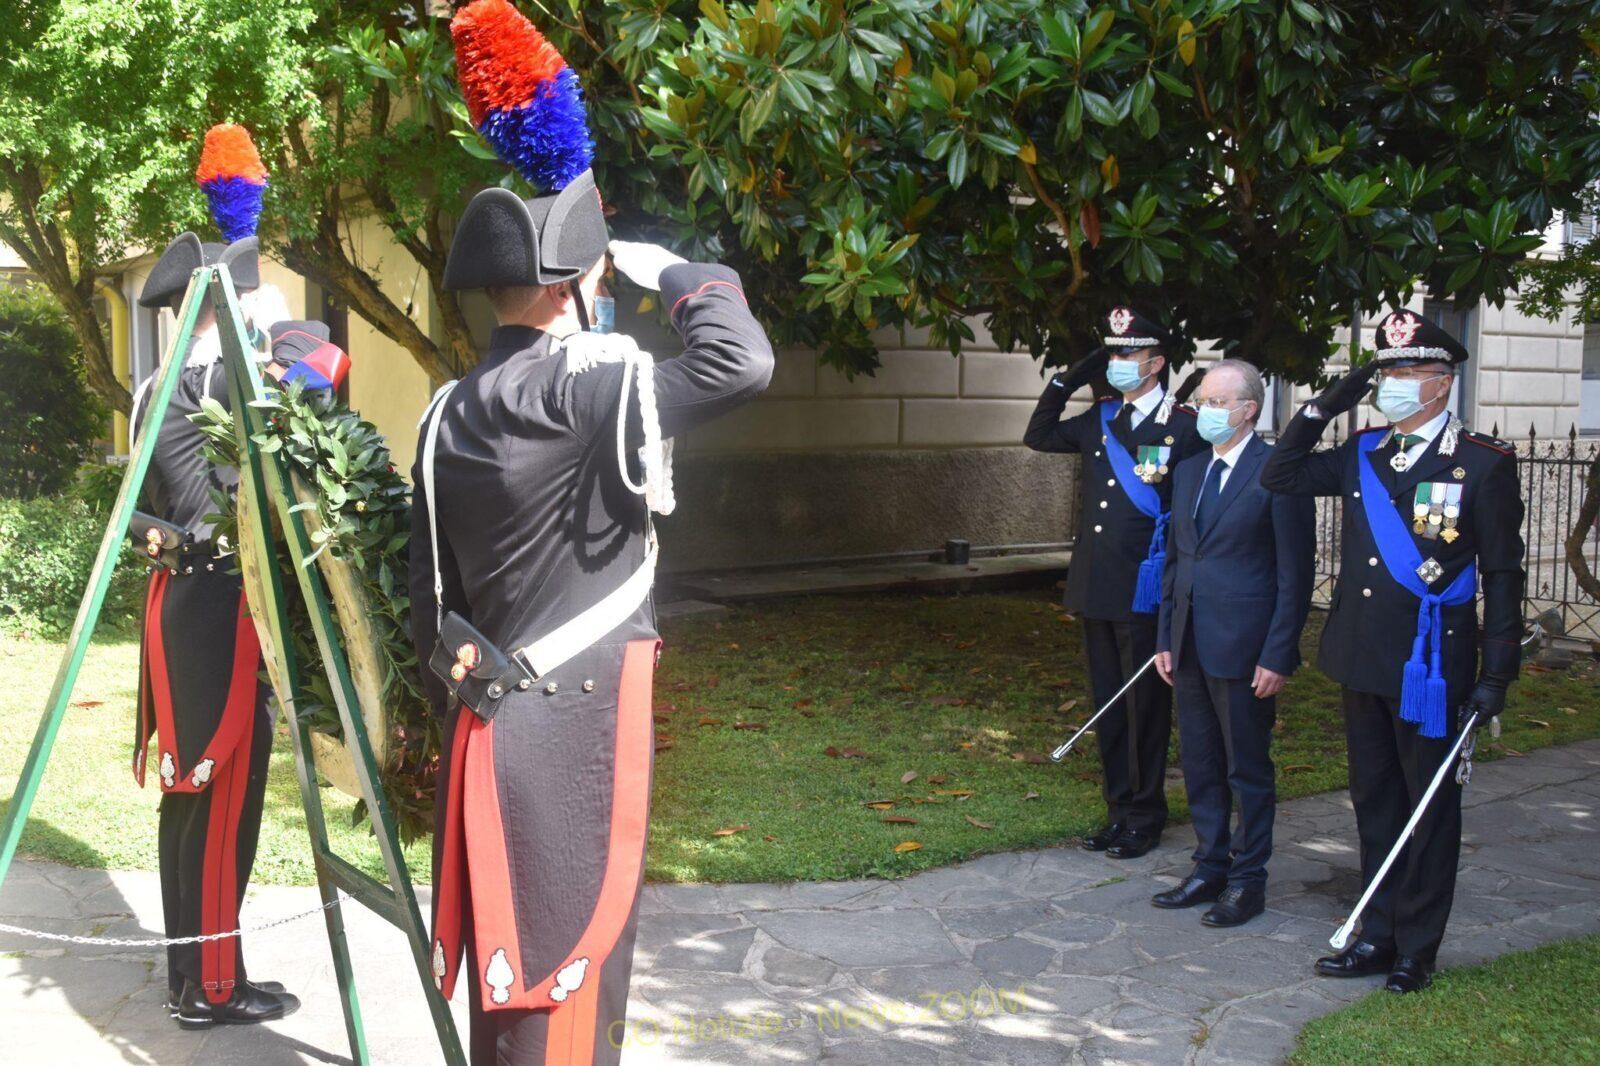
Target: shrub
point(47, 547)
point(48, 418)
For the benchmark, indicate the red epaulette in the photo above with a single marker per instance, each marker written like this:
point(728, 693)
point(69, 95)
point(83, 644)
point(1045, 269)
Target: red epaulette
point(1491, 443)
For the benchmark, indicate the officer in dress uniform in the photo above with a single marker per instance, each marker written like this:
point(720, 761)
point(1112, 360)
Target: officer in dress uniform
point(1432, 511)
point(199, 659)
point(531, 564)
point(1129, 446)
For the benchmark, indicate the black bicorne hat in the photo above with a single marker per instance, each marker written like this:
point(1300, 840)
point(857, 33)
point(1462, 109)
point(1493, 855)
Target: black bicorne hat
point(503, 239)
point(1405, 338)
point(1130, 329)
point(169, 278)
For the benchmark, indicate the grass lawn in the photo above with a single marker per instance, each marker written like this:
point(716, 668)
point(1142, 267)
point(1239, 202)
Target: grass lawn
point(1533, 1006)
point(814, 738)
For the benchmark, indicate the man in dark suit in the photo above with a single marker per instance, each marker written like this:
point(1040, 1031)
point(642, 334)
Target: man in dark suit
point(1129, 445)
point(1235, 592)
point(1432, 511)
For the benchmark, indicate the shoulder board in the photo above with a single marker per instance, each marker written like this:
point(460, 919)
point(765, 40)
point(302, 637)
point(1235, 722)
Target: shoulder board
point(1186, 409)
point(1486, 441)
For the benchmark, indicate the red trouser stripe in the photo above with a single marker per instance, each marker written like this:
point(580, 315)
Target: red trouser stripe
point(152, 621)
point(447, 892)
point(156, 660)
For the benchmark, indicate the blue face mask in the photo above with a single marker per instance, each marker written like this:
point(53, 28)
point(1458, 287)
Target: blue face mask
point(1123, 374)
point(1400, 398)
point(1215, 424)
point(605, 315)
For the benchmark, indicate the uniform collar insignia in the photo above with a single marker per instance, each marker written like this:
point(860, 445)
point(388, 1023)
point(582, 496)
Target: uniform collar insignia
point(1449, 436)
point(1165, 410)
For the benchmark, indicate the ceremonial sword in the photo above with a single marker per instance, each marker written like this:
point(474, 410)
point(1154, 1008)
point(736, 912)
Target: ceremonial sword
point(1342, 937)
point(1061, 752)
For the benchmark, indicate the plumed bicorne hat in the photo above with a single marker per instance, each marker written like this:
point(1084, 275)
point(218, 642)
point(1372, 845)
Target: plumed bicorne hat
point(1405, 338)
point(308, 356)
point(232, 177)
point(527, 103)
point(1128, 328)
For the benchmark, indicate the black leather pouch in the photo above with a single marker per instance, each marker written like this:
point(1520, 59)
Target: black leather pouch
point(477, 673)
point(161, 544)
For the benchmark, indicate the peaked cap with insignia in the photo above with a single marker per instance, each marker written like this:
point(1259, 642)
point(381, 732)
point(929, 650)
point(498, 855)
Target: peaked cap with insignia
point(1405, 338)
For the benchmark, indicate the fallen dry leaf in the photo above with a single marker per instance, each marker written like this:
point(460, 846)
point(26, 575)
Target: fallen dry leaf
point(1297, 767)
point(938, 779)
point(663, 744)
point(880, 805)
point(1536, 721)
point(1065, 707)
point(1029, 757)
point(1031, 796)
point(750, 725)
point(908, 777)
point(88, 703)
point(974, 821)
point(728, 831)
point(770, 839)
point(924, 799)
point(898, 819)
point(954, 792)
point(806, 702)
point(708, 720)
point(907, 845)
point(852, 753)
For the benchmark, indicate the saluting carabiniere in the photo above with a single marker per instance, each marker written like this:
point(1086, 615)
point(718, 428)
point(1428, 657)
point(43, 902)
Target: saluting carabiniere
point(1432, 511)
point(1130, 445)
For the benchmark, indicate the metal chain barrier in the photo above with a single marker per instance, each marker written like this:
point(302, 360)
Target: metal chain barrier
point(164, 942)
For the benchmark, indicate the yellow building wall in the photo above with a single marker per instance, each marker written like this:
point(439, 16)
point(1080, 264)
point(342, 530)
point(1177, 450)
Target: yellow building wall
point(387, 386)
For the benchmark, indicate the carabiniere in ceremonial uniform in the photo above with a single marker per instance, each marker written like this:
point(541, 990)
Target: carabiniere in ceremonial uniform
point(1129, 446)
point(1432, 513)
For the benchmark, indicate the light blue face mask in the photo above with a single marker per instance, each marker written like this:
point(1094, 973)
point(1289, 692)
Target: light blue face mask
point(605, 315)
point(1400, 398)
point(1123, 374)
point(1215, 424)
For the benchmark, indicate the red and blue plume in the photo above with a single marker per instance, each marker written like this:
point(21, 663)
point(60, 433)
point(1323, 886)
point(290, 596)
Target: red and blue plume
point(523, 98)
point(233, 179)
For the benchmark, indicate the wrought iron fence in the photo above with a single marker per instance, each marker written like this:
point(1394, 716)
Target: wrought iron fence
point(1552, 473)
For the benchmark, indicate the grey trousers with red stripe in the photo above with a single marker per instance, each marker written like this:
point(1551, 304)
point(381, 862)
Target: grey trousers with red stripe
point(208, 848)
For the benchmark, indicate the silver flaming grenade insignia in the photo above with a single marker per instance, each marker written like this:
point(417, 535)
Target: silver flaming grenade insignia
point(1400, 330)
point(438, 964)
point(569, 979)
point(1120, 319)
point(498, 976)
point(202, 773)
point(169, 770)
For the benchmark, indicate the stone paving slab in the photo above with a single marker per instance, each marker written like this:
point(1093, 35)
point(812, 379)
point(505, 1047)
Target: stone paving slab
point(1051, 956)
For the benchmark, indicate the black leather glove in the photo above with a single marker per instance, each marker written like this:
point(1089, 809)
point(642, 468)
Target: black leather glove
point(1345, 393)
point(1084, 370)
point(1190, 383)
point(1487, 699)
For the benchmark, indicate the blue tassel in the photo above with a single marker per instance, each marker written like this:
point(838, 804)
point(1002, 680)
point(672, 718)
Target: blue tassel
point(1413, 692)
point(1433, 709)
point(1147, 590)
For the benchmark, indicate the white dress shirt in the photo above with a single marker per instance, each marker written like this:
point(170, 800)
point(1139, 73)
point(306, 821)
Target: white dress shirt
point(1427, 432)
point(1145, 406)
point(1229, 460)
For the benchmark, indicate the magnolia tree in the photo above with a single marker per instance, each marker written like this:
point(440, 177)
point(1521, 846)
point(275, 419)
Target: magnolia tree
point(1256, 170)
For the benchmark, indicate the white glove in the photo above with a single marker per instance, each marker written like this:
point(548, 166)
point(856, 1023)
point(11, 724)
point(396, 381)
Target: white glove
point(643, 263)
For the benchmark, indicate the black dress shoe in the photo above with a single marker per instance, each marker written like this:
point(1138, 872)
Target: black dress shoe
point(1132, 844)
point(249, 1005)
point(1195, 889)
point(1103, 838)
point(1361, 959)
point(174, 997)
point(1408, 975)
point(1235, 906)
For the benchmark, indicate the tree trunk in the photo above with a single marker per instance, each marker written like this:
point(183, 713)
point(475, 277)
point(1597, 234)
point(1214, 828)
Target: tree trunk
point(1581, 527)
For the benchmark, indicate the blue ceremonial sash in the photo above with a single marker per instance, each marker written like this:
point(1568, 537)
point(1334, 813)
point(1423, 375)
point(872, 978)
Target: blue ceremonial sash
point(1422, 690)
point(1147, 589)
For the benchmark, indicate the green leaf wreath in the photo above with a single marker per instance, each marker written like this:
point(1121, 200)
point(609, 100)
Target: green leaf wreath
point(364, 509)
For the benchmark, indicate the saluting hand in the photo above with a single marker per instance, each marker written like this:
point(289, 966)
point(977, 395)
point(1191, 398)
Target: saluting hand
point(1345, 393)
point(1267, 682)
point(643, 263)
point(1083, 371)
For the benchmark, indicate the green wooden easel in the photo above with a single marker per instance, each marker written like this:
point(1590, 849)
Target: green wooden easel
point(265, 487)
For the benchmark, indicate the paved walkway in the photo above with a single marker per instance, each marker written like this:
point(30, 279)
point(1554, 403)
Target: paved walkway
point(1040, 957)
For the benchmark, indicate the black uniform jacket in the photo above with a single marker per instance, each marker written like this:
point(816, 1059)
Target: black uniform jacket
point(1243, 587)
point(1113, 535)
point(1373, 619)
point(543, 811)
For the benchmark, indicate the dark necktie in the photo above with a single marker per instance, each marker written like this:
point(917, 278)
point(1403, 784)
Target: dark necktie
point(1206, 510)
point(1122, 423)
point(1404, 442)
